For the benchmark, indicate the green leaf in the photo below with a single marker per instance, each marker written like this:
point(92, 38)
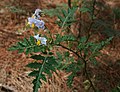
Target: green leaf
point(21, 44)
point(70, 14)
point(68, 38)
point(60, 38)
point(94, 61)
point(67, 18)
point(27, 46)
point(84, 9)
point(26, 42)
point(83, 39)
point(71, 67)
point(48, 65)
point(34, 65)
point(59, 55)
point(34, 73)
point(52, 12)
point(21, 51)
point(52, 60)
point(116, 12)
point(43, 77)
point(61, 18)
point(50, 53)
point(64, 12)
point(66, 54)
point(37, 57)
point(70, 79)
point(40, 48)
point(28, 50)
point(47, 71)
point(13, 48)
point(36, 49)
point(32, 40)
point(37, 84)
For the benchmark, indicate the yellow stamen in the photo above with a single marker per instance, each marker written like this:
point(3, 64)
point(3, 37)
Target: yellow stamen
point(33, 25)
point(38, 42)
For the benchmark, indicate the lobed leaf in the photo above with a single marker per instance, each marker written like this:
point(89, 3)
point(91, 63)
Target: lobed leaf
point(34, 65)
point(48, 65)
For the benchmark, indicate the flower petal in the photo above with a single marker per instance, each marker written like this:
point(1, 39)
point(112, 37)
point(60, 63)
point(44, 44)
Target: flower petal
point(37, 37)
point(37, 11)
point(40, 24)
point(43, 40)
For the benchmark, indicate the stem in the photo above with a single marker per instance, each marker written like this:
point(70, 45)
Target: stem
point(69, 3)
point(87, 75)
point(85, 63)
point(69, 49)
point(89, 29)
point(93, 11)
point(80, 23)
point(89, 34)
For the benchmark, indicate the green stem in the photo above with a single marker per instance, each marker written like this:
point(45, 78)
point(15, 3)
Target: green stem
point(40, 71)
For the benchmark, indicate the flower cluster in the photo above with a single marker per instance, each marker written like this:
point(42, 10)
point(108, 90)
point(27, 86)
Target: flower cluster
point(35, 21)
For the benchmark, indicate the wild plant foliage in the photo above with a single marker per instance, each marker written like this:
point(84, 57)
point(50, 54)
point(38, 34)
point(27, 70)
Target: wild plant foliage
point(78, 50)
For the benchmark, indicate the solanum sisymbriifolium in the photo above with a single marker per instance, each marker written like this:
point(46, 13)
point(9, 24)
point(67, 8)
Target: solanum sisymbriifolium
point(77, 50)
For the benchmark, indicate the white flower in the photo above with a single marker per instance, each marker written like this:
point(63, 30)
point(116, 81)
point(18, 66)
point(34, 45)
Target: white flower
point(36, 15)
point(36, 36)
point(35, 22)
point(31, 20)
point(40, 24)
point(40, 40)
point(37, 11)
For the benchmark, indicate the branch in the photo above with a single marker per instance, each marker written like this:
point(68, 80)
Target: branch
point(85, 63)
point(69, 49)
